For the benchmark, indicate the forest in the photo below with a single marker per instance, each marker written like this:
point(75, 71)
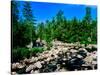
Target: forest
point(26, 30)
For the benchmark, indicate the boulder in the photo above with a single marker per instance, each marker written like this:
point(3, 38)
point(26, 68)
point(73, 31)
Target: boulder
point(88, 59)
point(73, 51)
point(52, 67)
point(83, 49)
point(32, 71)
point(94, 62)
point(30, 67)
point(83, 52)
point(62, 70)
point(33, 59)
point(79, 56)
point(74, 63)
point(17, 66)
point(38, 64)
point(27, 61)
point(14, 66)
point(20, 66)
point(13, 73)
point(91, 48)
point(36, 71)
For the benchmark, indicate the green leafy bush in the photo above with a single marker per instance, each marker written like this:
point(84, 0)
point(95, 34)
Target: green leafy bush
point(36, 50)
point(19, 54)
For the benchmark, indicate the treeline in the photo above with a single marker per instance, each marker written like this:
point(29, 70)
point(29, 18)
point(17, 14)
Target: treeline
point(74, 30)
point(26, 30)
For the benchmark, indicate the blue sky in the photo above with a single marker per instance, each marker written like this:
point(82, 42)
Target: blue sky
point(45, 11)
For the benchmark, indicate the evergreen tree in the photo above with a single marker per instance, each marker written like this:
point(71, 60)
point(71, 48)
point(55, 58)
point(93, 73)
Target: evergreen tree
point(14, 19)
point(28, 12)
point(40, 31)
point(29, 19)
point(86, 22)
point(88, 18)
point(74, 34)
point(94, 31)
point(59, 24)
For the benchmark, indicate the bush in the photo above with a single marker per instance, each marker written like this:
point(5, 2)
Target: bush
point(19, 54)
point(36, 50)
point(49, 45)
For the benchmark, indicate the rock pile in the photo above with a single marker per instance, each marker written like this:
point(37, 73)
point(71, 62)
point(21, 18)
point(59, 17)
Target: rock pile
point(61, 57)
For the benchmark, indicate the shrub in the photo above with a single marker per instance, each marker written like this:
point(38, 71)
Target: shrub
point(36, 50)
point(19, 54)
point(49, 45)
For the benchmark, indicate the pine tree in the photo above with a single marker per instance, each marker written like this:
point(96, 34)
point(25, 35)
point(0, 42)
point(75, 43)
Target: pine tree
point(88, 18)
point(40, 31)
point(15, 23)
point(29, 21)
point(59, 24)
point(28, 12)
point(74, 34)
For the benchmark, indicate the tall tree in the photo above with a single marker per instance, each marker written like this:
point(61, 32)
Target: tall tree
point(59, 24)
point(14, 19)
point(88, 18)
point(94, 31)
point(29, 19)
point(87, 24)
point(40, 30)
point(74, 27)
point(28, 12)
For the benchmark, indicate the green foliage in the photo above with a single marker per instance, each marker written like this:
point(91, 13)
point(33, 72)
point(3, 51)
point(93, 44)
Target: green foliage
point(40, 31)
point(23, 30)
point(74, 30)
point(87, 17)
point(14, 18)
point(25, 34)
point(29, 19)
point(60, 28)
point(36, 50)
point(19, 54)
point(27, 12)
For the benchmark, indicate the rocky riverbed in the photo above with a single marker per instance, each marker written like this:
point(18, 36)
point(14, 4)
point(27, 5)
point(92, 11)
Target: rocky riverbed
point(62, 57)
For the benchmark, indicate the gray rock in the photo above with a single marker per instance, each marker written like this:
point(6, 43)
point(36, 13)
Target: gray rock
point(17, 65)
point(30, 67)
point(73, 51)
point(37, 71)
point(33, 59)
point(38, 64)
point(13, 73)
point(79, 56)
point(83, 49)
point(32, 71)
point(14, 66)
